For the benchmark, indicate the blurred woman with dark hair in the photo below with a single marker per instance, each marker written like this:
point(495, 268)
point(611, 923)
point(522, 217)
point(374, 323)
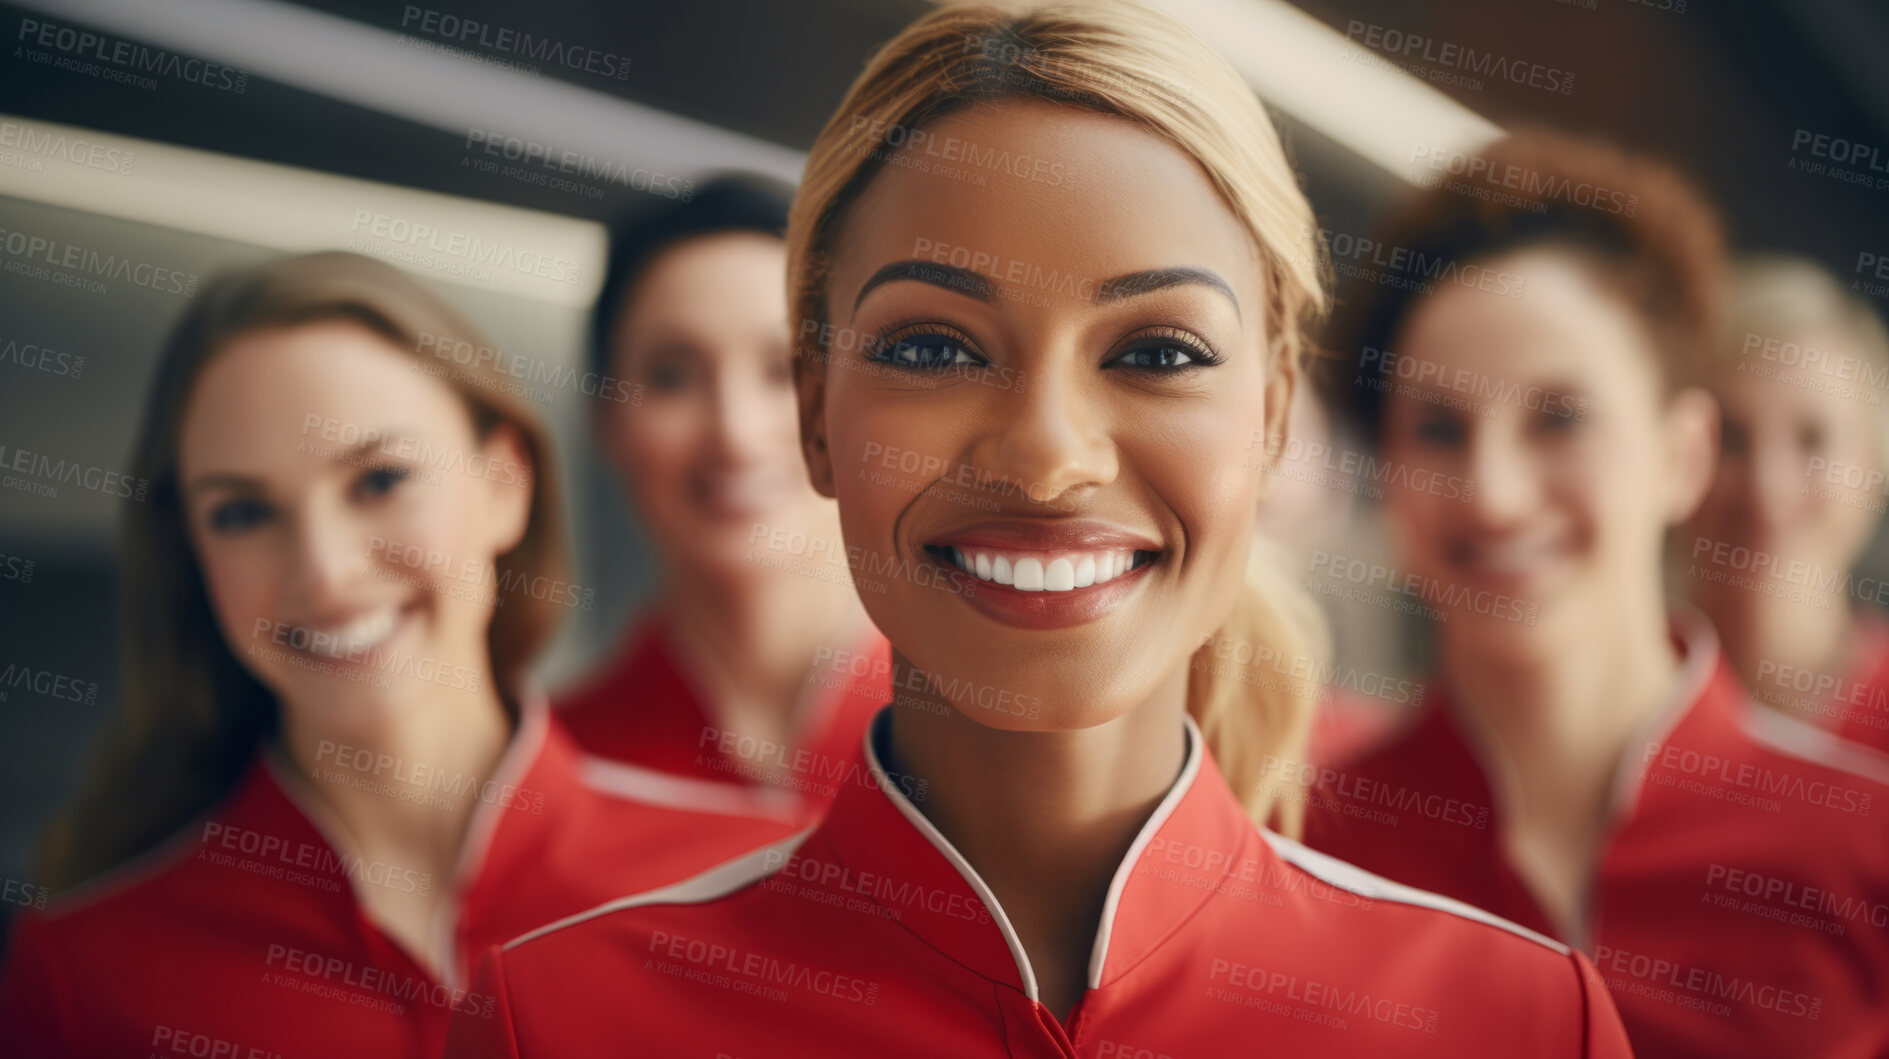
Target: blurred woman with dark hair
point(1588, 764)
point(747, 682)
point(329, 782)
point(1801, 478)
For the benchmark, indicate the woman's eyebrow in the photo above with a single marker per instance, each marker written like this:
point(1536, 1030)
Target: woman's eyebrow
point(983, 288)
point(958, 280)
point(1134, 284)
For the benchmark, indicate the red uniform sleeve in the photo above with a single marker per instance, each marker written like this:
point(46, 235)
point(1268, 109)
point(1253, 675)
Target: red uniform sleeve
point(33, 1005)
point(1606, 1037)
point(486, 1034)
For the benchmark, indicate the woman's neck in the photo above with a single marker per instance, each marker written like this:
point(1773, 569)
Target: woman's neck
point(752, 637)
point(1045, 818)
point(376, 786)
point(1552, 726)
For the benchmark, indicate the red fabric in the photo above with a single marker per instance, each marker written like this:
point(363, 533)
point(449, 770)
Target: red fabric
point(643, 711)
point(244, 933)
point(1860, 701)
point(865, 940)
point(1740, 905)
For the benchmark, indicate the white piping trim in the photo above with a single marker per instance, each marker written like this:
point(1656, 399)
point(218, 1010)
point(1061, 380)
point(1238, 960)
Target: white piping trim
point(637, 783)
point(1799, 739)
point(1098, 957)
point(944, 846)
point(1347, 876)
point(1695, 674)
point(720, 881)
point(520, 754)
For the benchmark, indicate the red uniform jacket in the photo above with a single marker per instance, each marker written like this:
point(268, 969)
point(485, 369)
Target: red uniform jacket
point(1859, 700)
point(243, 938)
point(644, 714)
point(1740, 905)
point(870, 936)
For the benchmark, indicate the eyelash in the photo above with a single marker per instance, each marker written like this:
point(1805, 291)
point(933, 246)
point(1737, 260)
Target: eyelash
point(1199, 354)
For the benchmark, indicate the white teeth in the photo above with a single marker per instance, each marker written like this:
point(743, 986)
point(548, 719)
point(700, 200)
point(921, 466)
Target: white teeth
point(361, 634)
point(1035, 573)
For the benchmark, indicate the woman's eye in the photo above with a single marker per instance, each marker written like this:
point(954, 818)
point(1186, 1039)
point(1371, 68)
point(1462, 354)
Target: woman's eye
point(380, 481)
point(236, 516)
point(1439, 431)
point(1160, 357)
point(925, 352)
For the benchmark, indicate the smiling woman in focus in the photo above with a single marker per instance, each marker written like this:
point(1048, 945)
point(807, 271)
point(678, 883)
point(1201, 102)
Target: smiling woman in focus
point(1060, 858)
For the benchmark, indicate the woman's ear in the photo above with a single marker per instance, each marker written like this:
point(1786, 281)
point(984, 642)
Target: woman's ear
point(810, 392)
point(510, 489)
point(1691, 426)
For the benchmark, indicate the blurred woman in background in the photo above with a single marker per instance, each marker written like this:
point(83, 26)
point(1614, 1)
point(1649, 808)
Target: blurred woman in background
point(747, 682)
point(1803, 473)
point(330, 782)
point(1061, 858)
point(1588, 764)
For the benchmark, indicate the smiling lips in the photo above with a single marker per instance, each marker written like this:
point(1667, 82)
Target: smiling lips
point(1038, 574)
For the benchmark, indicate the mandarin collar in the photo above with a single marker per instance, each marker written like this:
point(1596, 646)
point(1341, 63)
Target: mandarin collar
point(888, 845)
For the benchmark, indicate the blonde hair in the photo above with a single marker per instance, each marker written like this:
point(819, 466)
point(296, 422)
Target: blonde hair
point(1783, 297)
point(1121, 59)
point(192, 716)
